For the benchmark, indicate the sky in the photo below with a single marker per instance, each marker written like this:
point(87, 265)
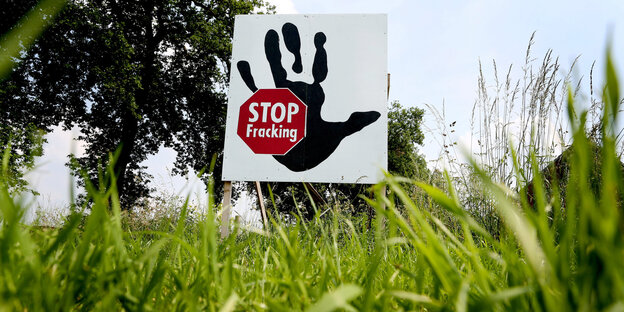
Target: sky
point(434, 50)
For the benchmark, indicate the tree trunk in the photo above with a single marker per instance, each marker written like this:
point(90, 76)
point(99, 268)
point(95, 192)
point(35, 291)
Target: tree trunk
point(128, 142)
point(142, 99)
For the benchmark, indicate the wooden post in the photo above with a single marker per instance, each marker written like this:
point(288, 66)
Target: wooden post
point(388, 90)
point(384, 192)
point(227, 208)
point(370, 208)
point(316, 196)
point(384, 189)
point(265, 220)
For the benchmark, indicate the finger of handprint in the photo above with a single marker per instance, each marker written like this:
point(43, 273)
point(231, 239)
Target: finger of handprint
point(273, 55)
point(358, 120)
point(293, 44)
point(245, 72)
point(319, 68)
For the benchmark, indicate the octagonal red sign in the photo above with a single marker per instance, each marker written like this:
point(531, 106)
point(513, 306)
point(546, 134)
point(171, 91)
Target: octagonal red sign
point(272, 121)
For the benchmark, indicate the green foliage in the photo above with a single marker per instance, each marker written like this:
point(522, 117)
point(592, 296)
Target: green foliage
point(18, 134)
point(136, 74)
point(404, 132)
point(22, 146)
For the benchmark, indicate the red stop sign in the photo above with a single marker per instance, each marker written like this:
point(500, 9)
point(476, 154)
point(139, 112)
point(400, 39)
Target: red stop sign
point(272, 121)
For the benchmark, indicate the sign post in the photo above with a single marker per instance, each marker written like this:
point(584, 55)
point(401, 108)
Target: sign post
point(265, 220)
point(227, 207)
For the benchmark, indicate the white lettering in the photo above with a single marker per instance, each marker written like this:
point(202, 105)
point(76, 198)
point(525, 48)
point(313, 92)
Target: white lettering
point(282, 110)
point(252, 110)
point(293, 135)
point(275, 131)
point(265, 106)
point(292, 109)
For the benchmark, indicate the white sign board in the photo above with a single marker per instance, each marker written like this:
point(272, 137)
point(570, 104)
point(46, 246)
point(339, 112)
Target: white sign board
point(307, 99)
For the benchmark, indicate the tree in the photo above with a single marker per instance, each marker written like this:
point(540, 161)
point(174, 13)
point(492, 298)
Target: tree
point(135, 75)
point(22, 146)
point(20, 140)
point(404, 133)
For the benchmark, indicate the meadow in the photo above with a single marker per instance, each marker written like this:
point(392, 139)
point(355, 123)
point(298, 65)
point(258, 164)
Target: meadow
point(555, 250)
point(501, 233)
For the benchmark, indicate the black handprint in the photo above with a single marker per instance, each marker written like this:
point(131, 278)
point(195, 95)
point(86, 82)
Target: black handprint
point(322, 137)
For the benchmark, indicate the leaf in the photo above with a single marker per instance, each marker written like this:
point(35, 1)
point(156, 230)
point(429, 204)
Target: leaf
point(507, 294)
point(230, 303)
point(337, 299)
point(523, 230)
point(26, 32)
point(416, 298)
point(461, 303)
point(612, 90)
point(441, 198)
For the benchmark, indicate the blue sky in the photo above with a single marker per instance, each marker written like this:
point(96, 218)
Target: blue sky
point(434, 48)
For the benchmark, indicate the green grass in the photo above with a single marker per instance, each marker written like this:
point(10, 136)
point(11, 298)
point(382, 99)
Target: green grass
point(425, 255)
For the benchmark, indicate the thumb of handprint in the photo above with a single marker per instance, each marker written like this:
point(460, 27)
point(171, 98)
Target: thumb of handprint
point(322, 137)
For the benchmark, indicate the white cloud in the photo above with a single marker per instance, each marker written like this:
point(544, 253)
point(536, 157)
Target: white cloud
point(284, 6)
point(50, 177)
point(61, 143)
